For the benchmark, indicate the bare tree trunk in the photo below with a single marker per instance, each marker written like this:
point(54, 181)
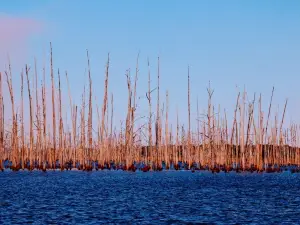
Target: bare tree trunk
point(53, 158)
point(104, 109)
point(128, 122)
point(45, 147)
point(111, 119)
point(38, 119)
point(242, 143)
point(150, 118)
point(133, 109)
point(1, 124)
point(22, 120)
point(60, 123)
point(177, 136)
point(209, 116)
point(198, 133)
point(189, 119)
point(167, 131)
point(31, 118)
point(14, 131)
point(157, 125)
point(90, 117)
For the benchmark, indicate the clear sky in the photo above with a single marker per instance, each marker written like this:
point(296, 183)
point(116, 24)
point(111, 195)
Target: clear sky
point(232, 44)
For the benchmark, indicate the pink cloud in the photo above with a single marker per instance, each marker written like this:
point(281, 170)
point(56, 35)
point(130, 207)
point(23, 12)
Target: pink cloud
point(15, 34)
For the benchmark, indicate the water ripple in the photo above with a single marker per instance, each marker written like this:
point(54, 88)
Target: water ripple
point(116, 197)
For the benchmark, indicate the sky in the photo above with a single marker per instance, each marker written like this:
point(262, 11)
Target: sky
point(230, 44)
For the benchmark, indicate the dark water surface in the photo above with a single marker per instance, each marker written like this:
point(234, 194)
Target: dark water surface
point(115, 197)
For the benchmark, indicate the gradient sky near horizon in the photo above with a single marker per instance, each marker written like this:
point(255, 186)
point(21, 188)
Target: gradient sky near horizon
point(233, 44)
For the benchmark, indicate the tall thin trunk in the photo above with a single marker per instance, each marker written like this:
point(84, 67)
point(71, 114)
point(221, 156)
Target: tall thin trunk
point(104, 108)
point(74, 134)
point(269, 113)
point(242, 129)
point(60, 121)
point(128, 122)
point(177, 136)
point(281, 124)
point(198, 133)
point(14, 131)
point(90, 117)
point(167, 130)
point(111, 116)
point(1, 124)
point(189, 118)
point(38, 126)
point(22, 120)
point(157, 125)
point(45, 147)
point(150, 117)
point(53, 158)
point(134, 101)
point(31, 118)
point(209, 118)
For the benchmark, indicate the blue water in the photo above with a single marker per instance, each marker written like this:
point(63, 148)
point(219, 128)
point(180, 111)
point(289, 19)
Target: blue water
point(117, 197)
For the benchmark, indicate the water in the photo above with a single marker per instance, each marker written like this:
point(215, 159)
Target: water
point(115, 197)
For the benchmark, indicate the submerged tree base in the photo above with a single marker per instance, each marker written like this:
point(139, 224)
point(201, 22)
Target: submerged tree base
point(141, 166)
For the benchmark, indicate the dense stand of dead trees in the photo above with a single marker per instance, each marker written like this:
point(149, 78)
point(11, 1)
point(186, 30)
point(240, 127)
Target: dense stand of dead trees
point(251, 141)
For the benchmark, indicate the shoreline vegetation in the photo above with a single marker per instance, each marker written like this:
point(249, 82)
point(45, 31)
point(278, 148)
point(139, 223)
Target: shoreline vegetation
point(249, 143)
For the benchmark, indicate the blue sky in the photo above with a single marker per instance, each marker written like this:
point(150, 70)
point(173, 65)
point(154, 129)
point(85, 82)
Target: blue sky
point(232, 44)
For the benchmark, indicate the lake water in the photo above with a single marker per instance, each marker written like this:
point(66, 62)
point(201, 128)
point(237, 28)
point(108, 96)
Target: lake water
point(117, 197)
